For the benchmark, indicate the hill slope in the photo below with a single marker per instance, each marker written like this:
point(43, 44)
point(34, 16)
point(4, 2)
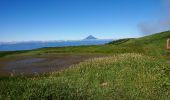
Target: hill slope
point(155, 43)
point(158, 40)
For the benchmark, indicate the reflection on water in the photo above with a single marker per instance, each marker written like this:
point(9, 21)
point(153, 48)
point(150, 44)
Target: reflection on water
point(23, 66)
point(27, 61)
point(43, 64)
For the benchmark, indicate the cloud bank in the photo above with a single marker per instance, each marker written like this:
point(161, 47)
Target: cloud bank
point(162, 24)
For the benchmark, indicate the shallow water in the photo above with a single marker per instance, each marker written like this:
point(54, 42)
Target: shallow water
point(22, 65)
point(39, 64)
point(25, 61)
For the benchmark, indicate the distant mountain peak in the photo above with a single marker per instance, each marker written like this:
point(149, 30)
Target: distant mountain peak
point(90, 37)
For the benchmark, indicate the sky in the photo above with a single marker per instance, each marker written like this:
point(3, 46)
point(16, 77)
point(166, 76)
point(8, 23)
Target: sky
point(44, 20)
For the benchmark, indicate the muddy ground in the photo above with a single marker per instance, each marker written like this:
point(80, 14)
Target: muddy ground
point(30, 64)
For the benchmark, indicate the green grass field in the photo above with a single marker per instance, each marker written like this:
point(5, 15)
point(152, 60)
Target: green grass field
point(136, 69)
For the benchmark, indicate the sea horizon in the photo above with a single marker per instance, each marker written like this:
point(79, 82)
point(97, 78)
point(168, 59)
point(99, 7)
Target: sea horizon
point(29, 45)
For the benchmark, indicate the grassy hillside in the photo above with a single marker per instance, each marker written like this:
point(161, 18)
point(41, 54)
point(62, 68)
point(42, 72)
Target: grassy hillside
point(154, 45)
point(158, 39)
point(136, 69)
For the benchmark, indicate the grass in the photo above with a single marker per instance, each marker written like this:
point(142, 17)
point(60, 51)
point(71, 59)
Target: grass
point(124, 76)
point(136, 69)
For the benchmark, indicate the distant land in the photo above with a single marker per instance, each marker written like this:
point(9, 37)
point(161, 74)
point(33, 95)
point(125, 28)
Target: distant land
point(15, 46)
point(90, 37)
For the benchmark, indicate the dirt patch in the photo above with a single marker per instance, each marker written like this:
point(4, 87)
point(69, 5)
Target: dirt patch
point(40, 63)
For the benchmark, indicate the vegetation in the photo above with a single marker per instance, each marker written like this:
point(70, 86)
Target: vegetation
point(120, 41)
point(6, 53)
point(136, 69)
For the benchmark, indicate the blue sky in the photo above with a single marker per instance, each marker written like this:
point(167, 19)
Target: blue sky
point(25, 20)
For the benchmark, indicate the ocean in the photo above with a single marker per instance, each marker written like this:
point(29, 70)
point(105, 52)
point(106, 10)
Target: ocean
point(15, 46)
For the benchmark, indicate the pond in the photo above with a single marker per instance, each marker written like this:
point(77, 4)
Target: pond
point(39, 64)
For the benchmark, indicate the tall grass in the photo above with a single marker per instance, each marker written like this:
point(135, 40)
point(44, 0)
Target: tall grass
point(126, 76)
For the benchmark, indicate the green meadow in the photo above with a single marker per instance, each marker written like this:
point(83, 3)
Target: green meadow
point(134, 69)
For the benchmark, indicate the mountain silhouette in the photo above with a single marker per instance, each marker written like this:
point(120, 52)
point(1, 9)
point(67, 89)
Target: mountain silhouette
point(90, 37)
